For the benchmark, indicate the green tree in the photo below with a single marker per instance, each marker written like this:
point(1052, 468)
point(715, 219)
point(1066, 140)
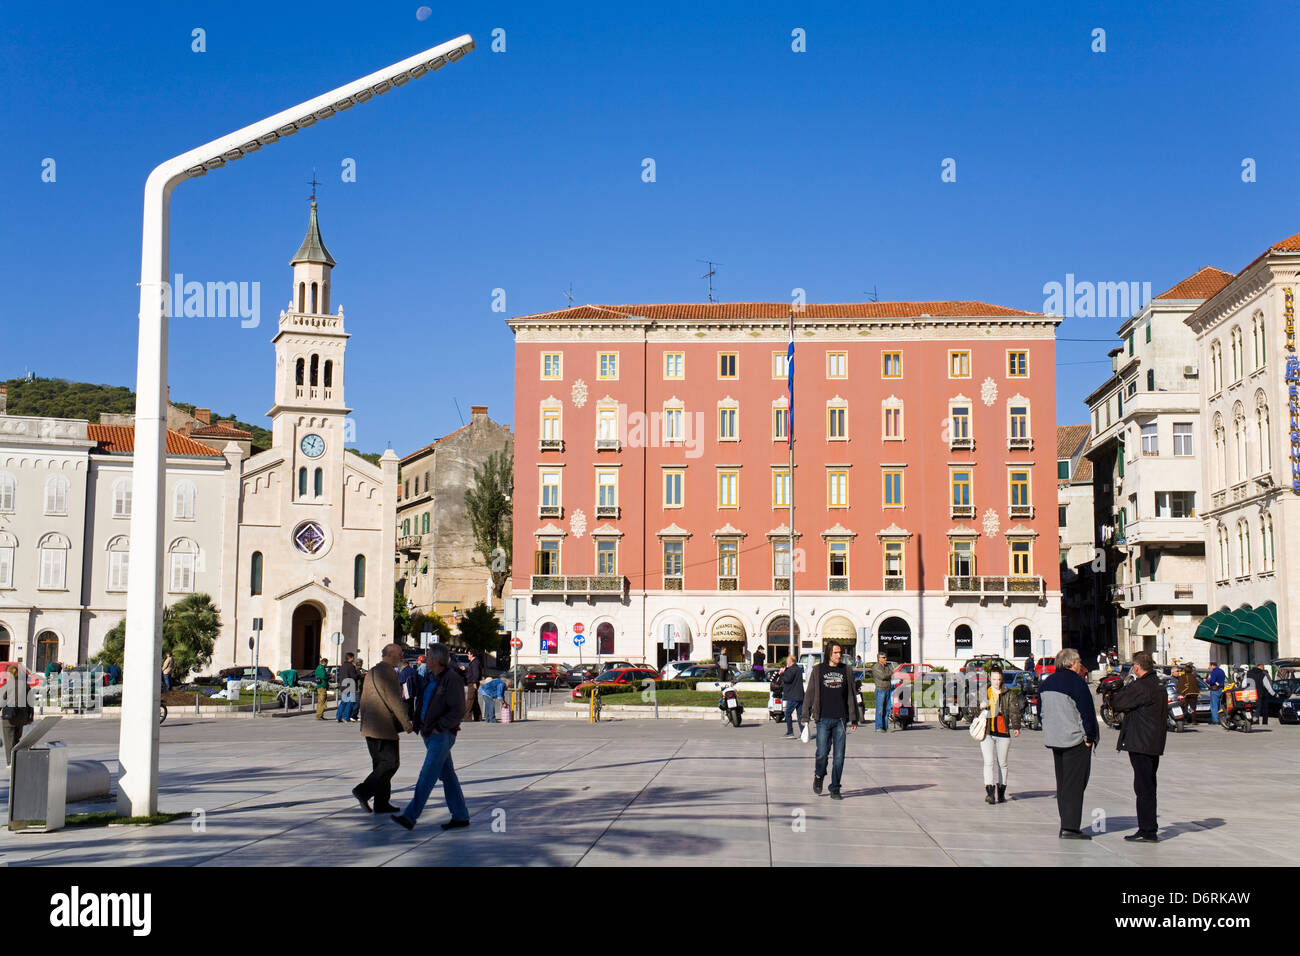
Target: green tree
point(401, 617)
point(480, 629)
point(190, 630)
point(421, 622)
point(114, 648)
point(488, 502)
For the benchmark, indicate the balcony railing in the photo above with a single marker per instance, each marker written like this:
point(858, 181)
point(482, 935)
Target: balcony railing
point(962, 511)
point(781, 584)
point(1219, 499)
point(410, 542)
point(995, 586)
point(839, 583)
point(672, 583)
point(893, 584)
point(550, 444)
point(607, 511)
point(549, 511)
point(727, 584)
point(1022, 511)
point(1015, 443)
point(966, 444)
point(608, 444)
point(1158, 593)
point(579, 585)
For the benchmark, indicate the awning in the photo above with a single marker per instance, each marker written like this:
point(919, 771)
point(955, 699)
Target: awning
point(1207, 630)
point(1245, 625)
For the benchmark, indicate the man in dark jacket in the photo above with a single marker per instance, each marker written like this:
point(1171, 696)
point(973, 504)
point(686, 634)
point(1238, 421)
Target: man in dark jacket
point(790, 680)
point(832, 703)
point(760, 660)
point(349, 688)
point(383, 718)
point(1144, 704)
point(1258, 677)
point(1070, 731)
point(442, 717)
point(473, 677)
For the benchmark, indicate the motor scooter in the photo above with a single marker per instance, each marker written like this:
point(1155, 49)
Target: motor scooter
point(1031, 709)
point(730, 705)
point(1176, 713)
point(775, 705)
point(902, 709)
point(1106, 687)
point(1240, 708)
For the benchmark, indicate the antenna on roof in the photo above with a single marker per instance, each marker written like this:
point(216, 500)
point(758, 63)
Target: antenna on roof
point(569, 295)
point(708, 276)
point(872, 296)
point(459, 412)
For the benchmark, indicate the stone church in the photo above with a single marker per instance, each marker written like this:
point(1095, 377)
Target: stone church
point(313, 537)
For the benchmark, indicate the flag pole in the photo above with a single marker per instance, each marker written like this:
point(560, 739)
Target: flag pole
point(789, 433)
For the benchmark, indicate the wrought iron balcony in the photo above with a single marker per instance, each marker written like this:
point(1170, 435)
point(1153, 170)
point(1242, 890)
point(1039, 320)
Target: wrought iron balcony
point(550, 444)
point(893, 583)
point(962, 511)
point(995, 586)
point(839, 583)
point(607, 511)
point(550, 511)
point(579, 585)
point(609, 444)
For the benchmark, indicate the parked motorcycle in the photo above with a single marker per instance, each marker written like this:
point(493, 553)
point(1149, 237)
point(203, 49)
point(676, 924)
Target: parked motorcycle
point(956, 705)
point(902, 709)
point(729, 704)
point(1240, 707)
point(775, 706)
point(1106, 687)
point(1031, 709)
point(1176, 714)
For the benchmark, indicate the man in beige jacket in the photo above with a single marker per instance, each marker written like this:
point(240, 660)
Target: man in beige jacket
point(383, 717)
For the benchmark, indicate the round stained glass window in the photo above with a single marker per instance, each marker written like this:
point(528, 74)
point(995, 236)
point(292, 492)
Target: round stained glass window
point(309, 538)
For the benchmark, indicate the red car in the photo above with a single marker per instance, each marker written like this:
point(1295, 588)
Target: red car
point(33, 679)
point(908, 671)
point(627, 675)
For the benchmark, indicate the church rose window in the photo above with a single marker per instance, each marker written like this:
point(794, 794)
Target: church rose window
point(309, 538)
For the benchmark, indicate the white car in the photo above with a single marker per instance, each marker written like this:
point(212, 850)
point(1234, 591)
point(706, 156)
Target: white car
point(673, 668)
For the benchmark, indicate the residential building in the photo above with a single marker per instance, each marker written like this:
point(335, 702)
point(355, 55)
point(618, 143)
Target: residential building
point(439, 567)
point(1147, 450)
point(1080, 590)
point(1250, 415)
point(652, 481)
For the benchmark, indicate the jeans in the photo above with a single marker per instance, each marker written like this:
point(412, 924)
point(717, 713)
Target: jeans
point(438, 766)
point(793, 706)
point(995, 760)
point(1216, 700)
point(830, 731)
point(490, 705)
point(882, 709)
point(346, 710)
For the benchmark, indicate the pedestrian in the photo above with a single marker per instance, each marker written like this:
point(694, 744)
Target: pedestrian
point(15, 708)
point(1189, 690)
point(1144, 703)
point(322, 676)
point(473, 677)
point(760, 660)
point(1258, 678)
point(491, 695)
point(114, 674)
point(168, 665)
point(832, 703)
point(882, 672)
point(1029, 664)
point(1070, 732)
point(414, 679)
point(383, 718)
point(444, 708)
point(349, 688)
point(791, 682)
point(1216, 680)
point(1003, 706)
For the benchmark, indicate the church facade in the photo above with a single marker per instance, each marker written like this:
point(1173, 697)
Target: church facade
point(311, 542)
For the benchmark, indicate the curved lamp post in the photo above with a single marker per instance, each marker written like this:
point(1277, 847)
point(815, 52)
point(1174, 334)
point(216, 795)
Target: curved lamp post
point(138, 745)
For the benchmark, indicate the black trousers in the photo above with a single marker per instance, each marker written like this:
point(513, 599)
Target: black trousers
point(385, 758)
point(1144, 786)
point(1073, 766)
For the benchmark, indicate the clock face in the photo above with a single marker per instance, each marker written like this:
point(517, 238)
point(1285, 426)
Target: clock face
point(313, 446)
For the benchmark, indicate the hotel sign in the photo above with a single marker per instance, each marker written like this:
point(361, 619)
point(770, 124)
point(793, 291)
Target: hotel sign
point(1293, 387)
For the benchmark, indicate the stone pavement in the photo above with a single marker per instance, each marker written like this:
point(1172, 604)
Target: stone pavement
point(274, 791)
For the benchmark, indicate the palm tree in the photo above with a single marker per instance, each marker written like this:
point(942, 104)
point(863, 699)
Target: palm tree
point(190, 630)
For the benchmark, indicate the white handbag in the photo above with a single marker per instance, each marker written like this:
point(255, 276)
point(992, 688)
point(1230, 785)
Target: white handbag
point(979, 727)
point(803, 735)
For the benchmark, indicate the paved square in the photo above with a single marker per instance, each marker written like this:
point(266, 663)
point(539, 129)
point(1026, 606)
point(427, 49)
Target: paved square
point(275, 791)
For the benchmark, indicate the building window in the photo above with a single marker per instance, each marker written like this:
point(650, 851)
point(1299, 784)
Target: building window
point(893, 423)
point(1129, 340)
point(837, 364)
point(122, 498)
point(54, 564)
point(1063, 469)
point(8, 491)
point(1021, 564)
point(961, 494)
point(1182, 439)
point(551, 425)
point(424, 523)
point(606, 427)
point(780, 421)
point(727, 362)
point(119, 561)
point(1175, 504)
point(551, 494)
point(1018, 363)
point(359, 576)
point(727, 429)
point(1150, 440)
point(1060, 516)
point(546, 560)
point(318, 483)
point(255, 574)
point(674, 365)
point(728, 489)
point(551, 365)
point(893, 482)
point(1266, 540)
point(607, 494)
point(56, 495)
point(673, 423)
point(891, 364)
point(184, 502)
point(837, 489)
point(1151, 380)
point(894, 576)
point(963, 638)
point(1148, 327)
point(182, 566)
point(837, 561)
point(604, 638)
point(1236, 356)
point(1018, 424)
point(728, 564)
point(837, 423)
point(674, 561)
point(959, 364)
point(6, 568)
point(1243, 544)
point(47, 650)
point(1019, 491)
point(607, 365)
point(781, 488)
point(606, 556)
point(960, 437)
point(674, 483)
point(406, 527)
point(1263, 437)
point(780, 563)
point(780, 365)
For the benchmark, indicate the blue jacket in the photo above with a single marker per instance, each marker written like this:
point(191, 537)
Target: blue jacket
point(1068, 715)
point(495, 688)
point(1217, 679)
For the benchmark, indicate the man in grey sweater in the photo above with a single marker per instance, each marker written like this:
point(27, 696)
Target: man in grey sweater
point(1070, 731)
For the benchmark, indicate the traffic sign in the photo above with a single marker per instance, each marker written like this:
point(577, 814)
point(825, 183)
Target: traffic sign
point(579, 640)
point(577, 629)
point(516, 642)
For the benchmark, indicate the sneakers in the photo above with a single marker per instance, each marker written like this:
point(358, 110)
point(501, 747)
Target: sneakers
point(786, 736)
point(408, 824)
point(817, 785)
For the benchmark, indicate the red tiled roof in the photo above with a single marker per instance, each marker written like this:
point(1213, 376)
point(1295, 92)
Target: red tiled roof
point(221, 430)
point(121, 439)
point(421, 451)
point(1201, 284)
point(1084, 471)
point(726, 311)
point(1289, 244)
point(1069, 438)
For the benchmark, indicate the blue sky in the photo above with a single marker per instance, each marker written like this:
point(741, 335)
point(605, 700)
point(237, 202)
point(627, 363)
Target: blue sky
point(522, 170)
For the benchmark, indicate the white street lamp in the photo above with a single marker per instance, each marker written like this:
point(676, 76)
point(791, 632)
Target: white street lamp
point(138, 744)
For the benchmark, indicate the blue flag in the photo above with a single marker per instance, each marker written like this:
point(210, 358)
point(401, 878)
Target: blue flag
point(789, 371)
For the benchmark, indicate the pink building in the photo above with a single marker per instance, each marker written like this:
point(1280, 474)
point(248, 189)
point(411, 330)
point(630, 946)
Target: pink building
point(652, 480)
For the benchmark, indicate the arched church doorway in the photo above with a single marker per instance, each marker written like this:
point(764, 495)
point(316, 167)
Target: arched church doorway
point(305, 654)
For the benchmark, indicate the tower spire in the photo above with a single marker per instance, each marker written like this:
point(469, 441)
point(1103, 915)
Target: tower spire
point(313, 247)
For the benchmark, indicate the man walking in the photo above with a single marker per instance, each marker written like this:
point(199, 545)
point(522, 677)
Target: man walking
point(322, 676)
point(473, 677)
point(1216, 680)
point(1070, 731)
point(791, 678)
point(383, 717)
point(349, 681)
point(882, 672)
point(1143, 704)
point(442, 717)
point(832, 703)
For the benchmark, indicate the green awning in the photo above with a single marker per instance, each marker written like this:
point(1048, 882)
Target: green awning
point(1229, 624)
point(1206, 630)
point(1259, 624)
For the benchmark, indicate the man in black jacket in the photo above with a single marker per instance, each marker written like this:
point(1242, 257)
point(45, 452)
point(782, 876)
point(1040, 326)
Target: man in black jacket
point(1144, 704)
point(473, 677)
point(442, 717)
point(349, 689)
point(790, 680)
point(832, 703)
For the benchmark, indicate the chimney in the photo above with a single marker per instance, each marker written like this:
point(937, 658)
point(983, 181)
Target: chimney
point(4, 399)
point(204, 415)
point(476, 412)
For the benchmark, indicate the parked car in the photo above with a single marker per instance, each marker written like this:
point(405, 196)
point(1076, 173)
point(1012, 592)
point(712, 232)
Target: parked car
point(543, 676)
point(264, 674)
point(623, 675)
point(983, 661)
point(616, 665)
point(907, 672)
point(674, 668)
point(583, 672)
point(710, 672)
point(1284, 689)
